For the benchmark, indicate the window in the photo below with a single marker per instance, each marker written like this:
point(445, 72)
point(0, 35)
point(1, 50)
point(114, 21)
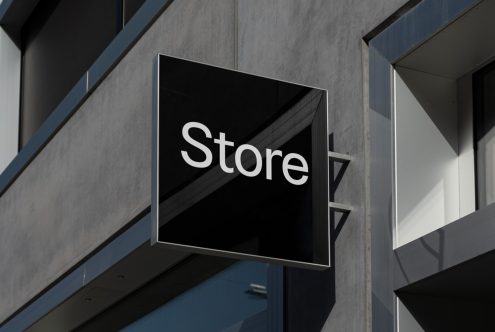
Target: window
point(439, 177)
point(200, 293)
point(10, 68)
point(60, 41)
point(484, 123)
point(434, 173)
point(225, 302)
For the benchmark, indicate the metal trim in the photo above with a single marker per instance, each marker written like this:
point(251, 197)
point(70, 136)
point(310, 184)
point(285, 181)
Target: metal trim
point(155, 206)
point(396, 41)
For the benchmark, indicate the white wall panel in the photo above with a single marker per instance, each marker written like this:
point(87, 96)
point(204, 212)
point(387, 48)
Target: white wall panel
point(427, 168)
point(10, 66)
point(467, 181)
point(406, 321)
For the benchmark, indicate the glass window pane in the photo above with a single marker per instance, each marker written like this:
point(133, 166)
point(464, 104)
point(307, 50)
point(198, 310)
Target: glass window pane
point(225, 302)
point(60, 41)
point(484, 108)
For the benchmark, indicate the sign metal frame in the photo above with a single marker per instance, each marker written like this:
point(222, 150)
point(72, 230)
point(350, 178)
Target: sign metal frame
point(321, 170)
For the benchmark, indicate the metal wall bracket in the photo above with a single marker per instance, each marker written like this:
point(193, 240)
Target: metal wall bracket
point(337, 207)
point(335, 179)
point(344, 160)
point(339, 157)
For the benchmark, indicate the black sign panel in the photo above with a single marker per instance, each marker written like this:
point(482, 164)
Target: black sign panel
point(240, 165)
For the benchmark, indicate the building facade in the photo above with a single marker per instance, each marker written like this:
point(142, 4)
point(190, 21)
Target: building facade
point(411, 185)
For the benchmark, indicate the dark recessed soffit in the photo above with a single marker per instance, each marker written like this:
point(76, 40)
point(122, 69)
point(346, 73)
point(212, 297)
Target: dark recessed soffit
point(13, 15)
point(460, 47)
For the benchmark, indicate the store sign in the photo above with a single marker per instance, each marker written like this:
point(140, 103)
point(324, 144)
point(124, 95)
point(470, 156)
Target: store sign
point(258, 162)
point(240, 165)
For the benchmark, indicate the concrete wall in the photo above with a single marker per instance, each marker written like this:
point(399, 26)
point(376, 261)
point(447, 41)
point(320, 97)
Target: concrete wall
point(94, 176)
point(318, 42)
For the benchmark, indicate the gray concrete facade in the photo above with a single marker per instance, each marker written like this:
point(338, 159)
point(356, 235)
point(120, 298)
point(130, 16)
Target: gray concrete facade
point(94, 177)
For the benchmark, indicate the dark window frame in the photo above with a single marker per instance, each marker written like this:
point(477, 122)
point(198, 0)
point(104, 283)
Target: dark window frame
point(38, 99)
point(478, 120)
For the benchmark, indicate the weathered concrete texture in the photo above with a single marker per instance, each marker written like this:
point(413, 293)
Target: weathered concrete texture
point(94, 176)
point(319, 42)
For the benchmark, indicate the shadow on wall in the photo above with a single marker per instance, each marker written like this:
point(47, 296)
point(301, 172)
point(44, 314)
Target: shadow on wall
point(310, 295)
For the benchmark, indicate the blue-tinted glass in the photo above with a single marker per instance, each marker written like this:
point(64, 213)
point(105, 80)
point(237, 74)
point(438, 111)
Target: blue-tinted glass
point(224, 302)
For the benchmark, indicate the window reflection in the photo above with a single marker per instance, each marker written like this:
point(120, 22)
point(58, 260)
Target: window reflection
point(229, 301)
